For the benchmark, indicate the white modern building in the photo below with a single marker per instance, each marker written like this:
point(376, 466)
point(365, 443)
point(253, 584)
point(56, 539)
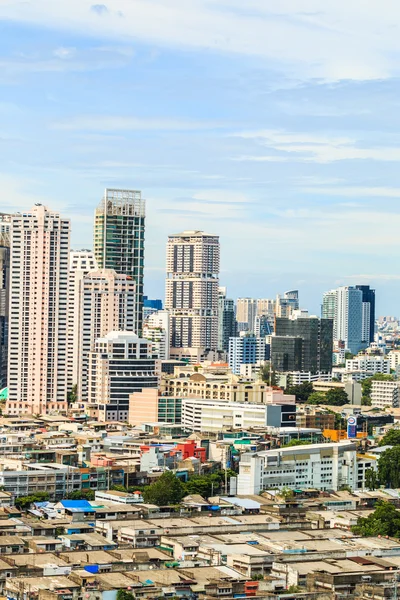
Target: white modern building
point(121, 364)
point(191, 295)
point(394, 359)
point(37, 357)
point(211, 416)
point(385, 393)
point(107, 303)
point(245, 350)
point(156, 329)
point(319, 466)
point(368, 364)
point(81, 262)
point(345, 306)
point(5, 228)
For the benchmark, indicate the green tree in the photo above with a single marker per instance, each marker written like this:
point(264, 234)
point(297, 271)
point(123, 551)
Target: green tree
point(125, 595)
point(371, 479)
point(82, 495)
point(391, 438)
point(269, 376)
point(302, 391)
point(166, 490)
point(24, 502)
point(118, 488)
point(72, 395)
point(385, 520)
point(287, 494)
point(388, 468)
point(336, 397)
point(296, 443)
point(348, 355)
point(316, 398)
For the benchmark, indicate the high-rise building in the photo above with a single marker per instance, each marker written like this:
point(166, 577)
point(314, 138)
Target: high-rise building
point(302, 344)
point(265, 307)
point(80, 264)
point(192, 292)
point(287, 304)
point(37, 358)
point(156, 329)
point(246, 311)
point(5, 225)
point(106, 303)
point(345, 305)
point(119, 239)
point(226, 320)
point(368, 317)
point(246, 350)
point(120, 364)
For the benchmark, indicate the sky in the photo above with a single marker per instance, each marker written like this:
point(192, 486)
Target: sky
point(272, 124)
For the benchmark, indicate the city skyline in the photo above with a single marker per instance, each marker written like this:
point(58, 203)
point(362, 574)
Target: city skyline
point(222, 131)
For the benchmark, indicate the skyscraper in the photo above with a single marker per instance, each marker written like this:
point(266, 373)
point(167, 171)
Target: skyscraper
point(119, 239)
point(121, 363)
point(309, 339)
point(226, 320)
point(368, 300)
point(246, 311)
point(345, 305)
point(80, 264)
point(37, 359)
point(107, 303)
point(192, 293)
point(286, 305)
point(5, 225)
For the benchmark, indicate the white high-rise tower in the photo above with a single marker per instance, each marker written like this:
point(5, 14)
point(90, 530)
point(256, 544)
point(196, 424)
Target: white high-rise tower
point(37, 358)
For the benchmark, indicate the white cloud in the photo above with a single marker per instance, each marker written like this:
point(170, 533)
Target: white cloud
point(306, 38)
point(64, 53)
point(306, 147)
point(356, 191)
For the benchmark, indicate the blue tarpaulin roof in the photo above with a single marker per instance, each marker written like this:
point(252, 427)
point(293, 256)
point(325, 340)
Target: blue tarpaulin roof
point(78, 506)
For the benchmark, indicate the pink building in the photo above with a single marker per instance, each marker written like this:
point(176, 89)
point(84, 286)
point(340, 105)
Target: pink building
point(37, 361)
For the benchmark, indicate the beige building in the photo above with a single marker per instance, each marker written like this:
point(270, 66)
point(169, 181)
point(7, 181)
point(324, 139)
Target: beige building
point(106, 303)
point(192, 293)
point(37, 361)
point(80, 264)
point(214, 384)
point(265, 307)
point(246, 312)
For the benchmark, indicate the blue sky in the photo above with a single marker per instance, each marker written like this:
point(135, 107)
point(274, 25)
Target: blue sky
point(272, 124)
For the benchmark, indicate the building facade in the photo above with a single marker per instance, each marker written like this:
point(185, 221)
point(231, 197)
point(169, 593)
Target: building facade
point(345, 306)
point(385, 393)
point(156, 329)
point(246, 350)
point(368, 300)
point(119, 232)
point(80, 264)
point(305, 343)
point(192, 292)
point(121, 363)
point(37, 358)
point(246, 311)
point(226, 320)
point(213, 417)
point(319, 466)
point(107, 303)
point(5, 226)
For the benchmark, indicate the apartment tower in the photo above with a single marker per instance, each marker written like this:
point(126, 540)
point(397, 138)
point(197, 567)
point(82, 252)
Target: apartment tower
point(5, 225)
point(119, 239)
point(37, 358)
point(106, 303)
point(81, 262)
point(192, 293)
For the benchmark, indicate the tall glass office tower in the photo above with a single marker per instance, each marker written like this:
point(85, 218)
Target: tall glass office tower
point(119, 239)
